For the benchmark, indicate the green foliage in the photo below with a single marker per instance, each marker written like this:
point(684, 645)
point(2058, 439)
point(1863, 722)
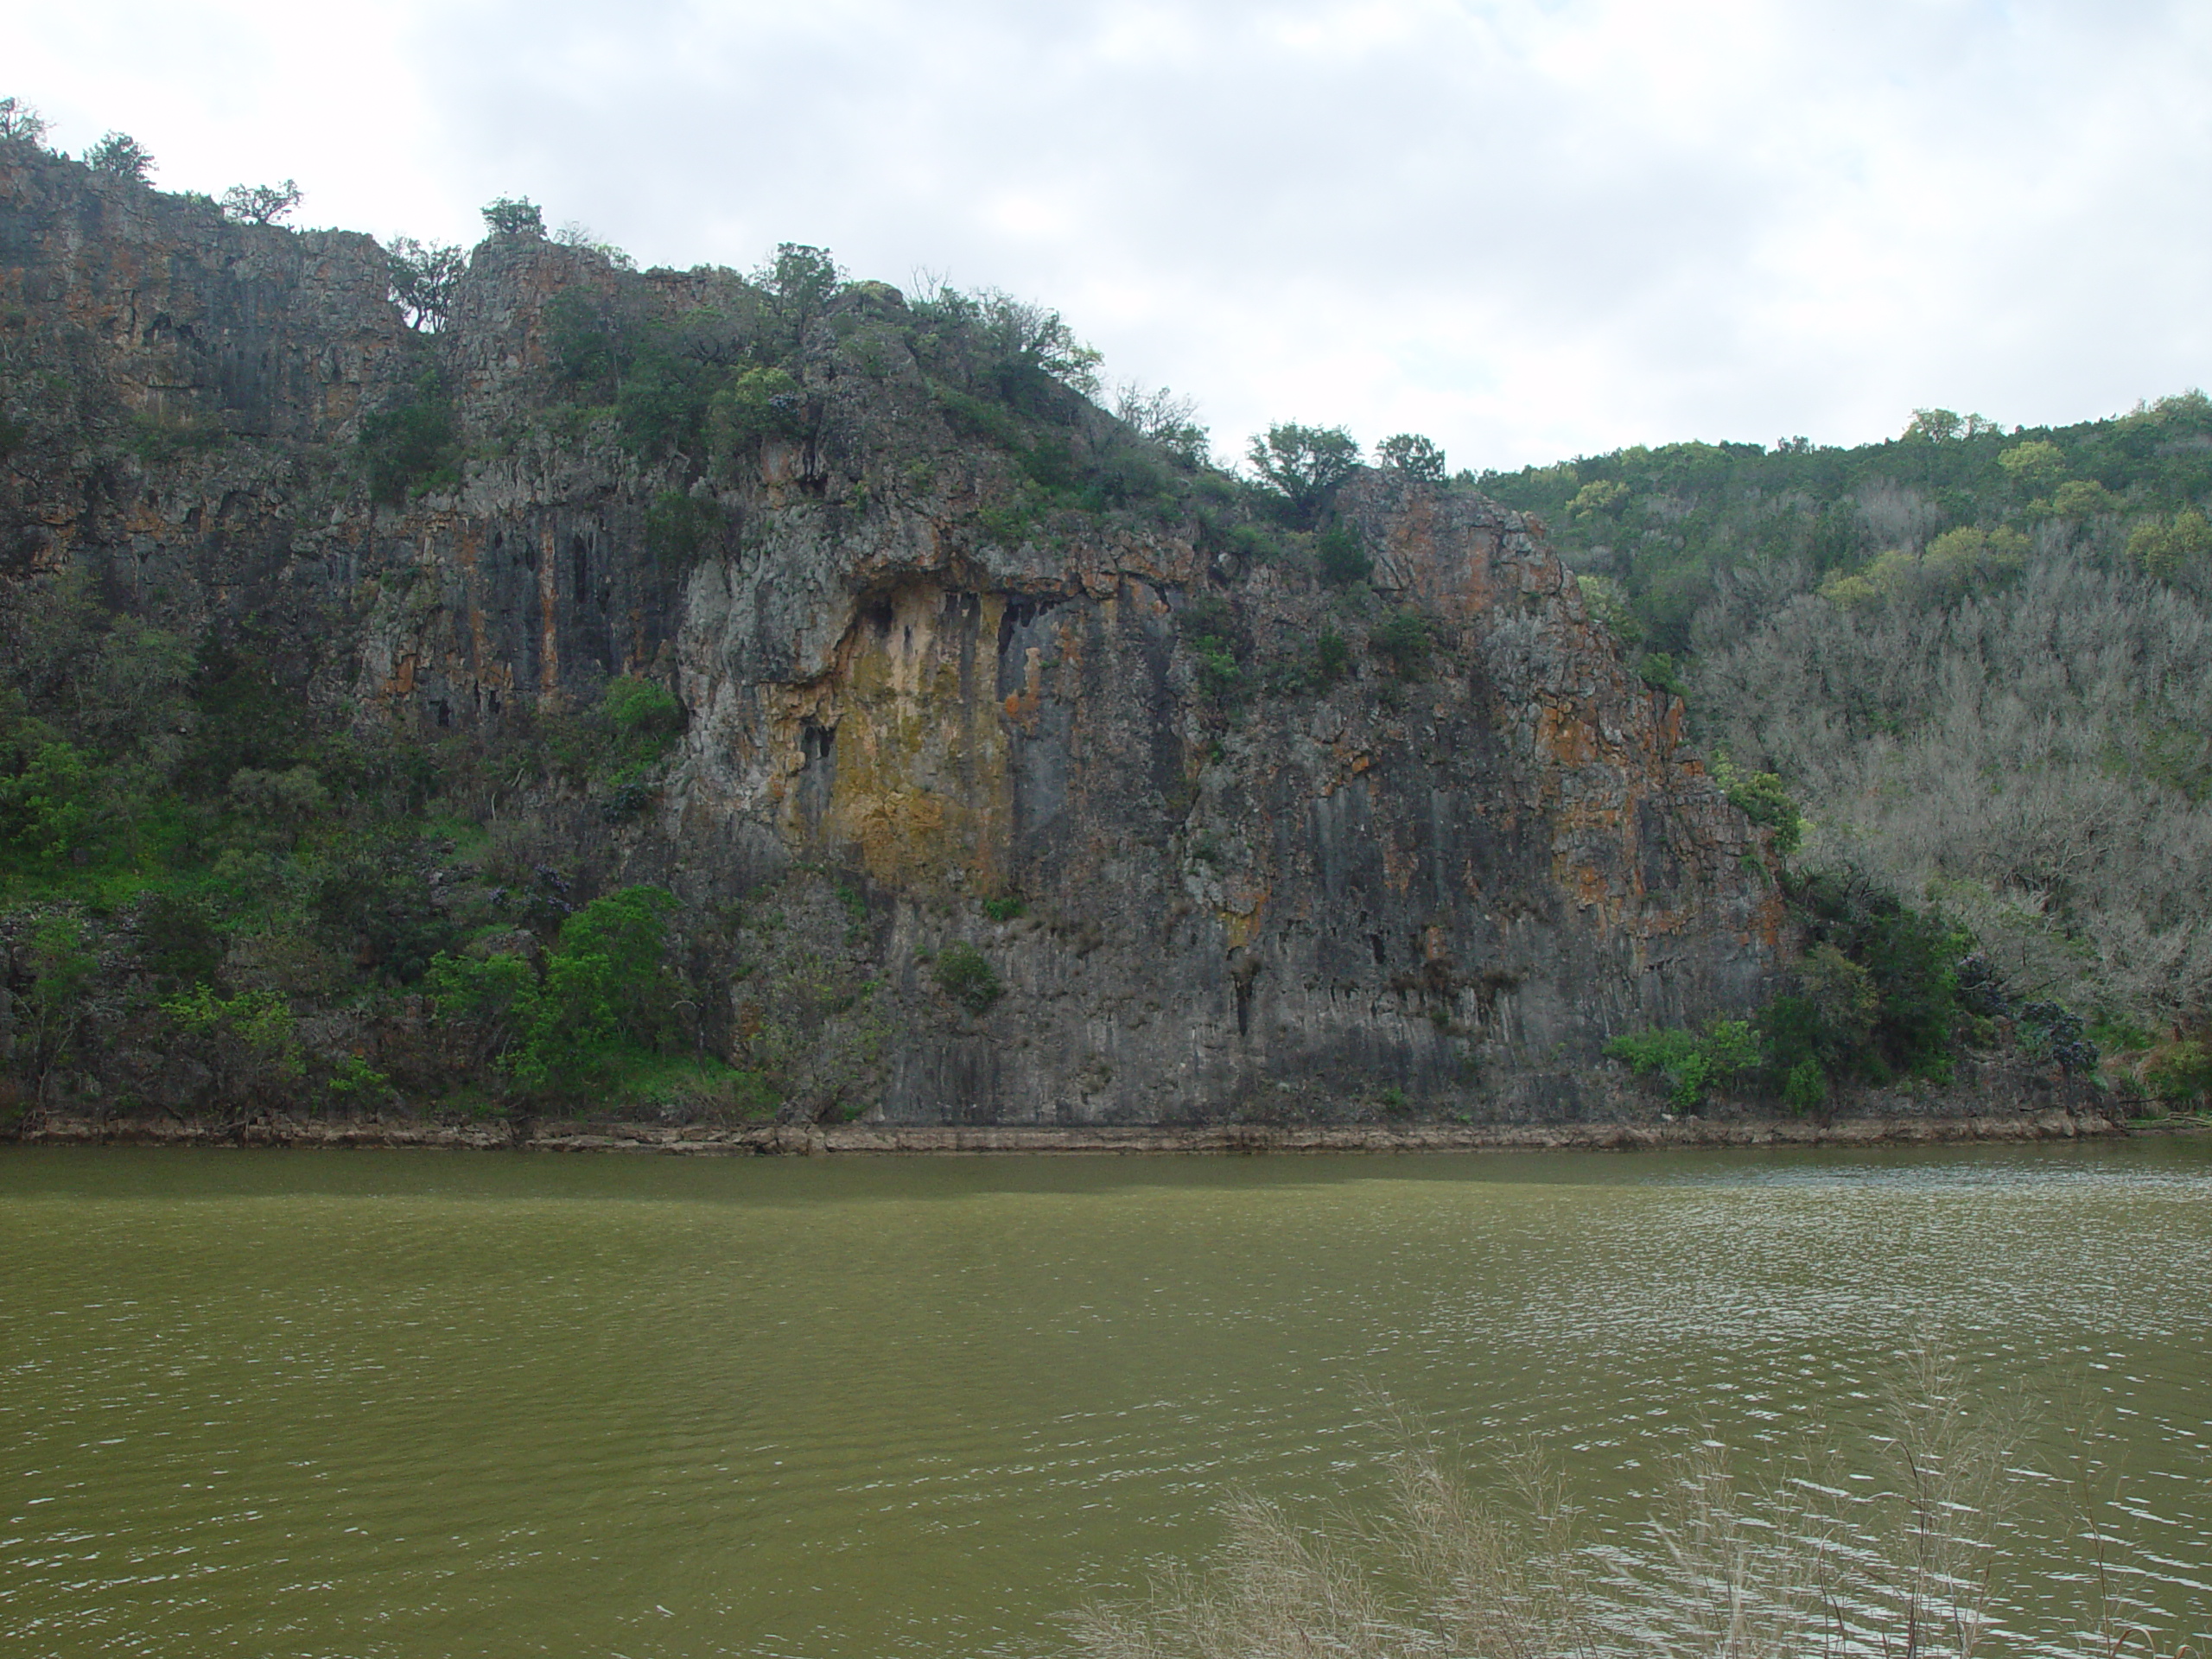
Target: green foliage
point(1692, 1062)
point(965, 974)
point(120, 156)
point(1909, 959)
point(58, 963)
point(1005, 908)
point(800, 282)
point(514, 216)
point(250, 1042)
point(1674, 524)
point(1209, 628)
point(1304, 465)
point(760, 403)
point(2082, 498)
point(2180, 1073)
point(1659, 670)
point(1807, 1088)
point(1404, 643)
point(410, 446)
point(260, 204)
point(1414, 455)
point(161, 439)
point(1762, 798)
point(178, 939)
point(2034, 466)
point(1605, 601)
point(47, 800)
point(423, 277)
point(21, 121)
point(643, 708)
point(678, 524)
point(1966, 560)
point(1339, 554)
point(2170, 548)
point(606, 995)
point(1332, 658)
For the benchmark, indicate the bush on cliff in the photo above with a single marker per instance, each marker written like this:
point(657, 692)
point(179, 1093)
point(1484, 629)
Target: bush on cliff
point(410, 446)
point(604, 997)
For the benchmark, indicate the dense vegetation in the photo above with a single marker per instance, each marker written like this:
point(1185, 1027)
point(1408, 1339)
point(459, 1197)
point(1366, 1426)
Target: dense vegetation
point(1960, 676)
point(1981, 660)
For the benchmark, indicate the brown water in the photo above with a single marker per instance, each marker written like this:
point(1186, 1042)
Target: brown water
point(388, 1403)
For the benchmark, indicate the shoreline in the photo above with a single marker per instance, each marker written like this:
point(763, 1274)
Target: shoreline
point(790, 1140)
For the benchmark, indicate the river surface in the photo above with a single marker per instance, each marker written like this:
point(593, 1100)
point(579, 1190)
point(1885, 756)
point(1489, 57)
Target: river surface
point(329, 1403)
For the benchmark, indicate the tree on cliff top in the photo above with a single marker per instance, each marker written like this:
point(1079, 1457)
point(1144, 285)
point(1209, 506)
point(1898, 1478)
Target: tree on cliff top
point(120, 156)
point(422, 278)
point(20, 120)
point(259, 204)
point(1304, 464)
point(514, 216)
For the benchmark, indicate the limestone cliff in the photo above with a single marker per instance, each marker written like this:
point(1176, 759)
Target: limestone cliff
point(1212, 882)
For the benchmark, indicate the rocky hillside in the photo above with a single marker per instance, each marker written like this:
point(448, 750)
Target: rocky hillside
point(1006, 763)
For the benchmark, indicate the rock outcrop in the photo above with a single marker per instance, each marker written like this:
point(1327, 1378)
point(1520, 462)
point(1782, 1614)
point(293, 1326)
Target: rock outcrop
point(1227, 882)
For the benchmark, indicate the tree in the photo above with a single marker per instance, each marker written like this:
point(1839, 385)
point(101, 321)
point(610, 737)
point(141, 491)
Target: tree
point(20, 120)
point(422, 278)
point(577, 234)
point(2169, 549)
point(1166, 419)
point(1414, 455)
point(800, 282)
point(260, 204)
point(514, 216)
point(120, 156)
point(1304, 464)
point(2035, 466)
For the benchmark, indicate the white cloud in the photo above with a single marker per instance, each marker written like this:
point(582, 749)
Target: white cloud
point(1529, 229)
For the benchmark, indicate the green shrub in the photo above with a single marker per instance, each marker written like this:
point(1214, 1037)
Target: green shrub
point(410, 447)
point(677, 524)
point(1332, 658)
point(606, 996)
point(1658, 669)
point(641, 707)
point(1340, 557)
point(1691, 1061)
point(966, 975)
point(1005, 909)
point(1807, 1089)
point(760, 403)
point(1403, 642)
point(1762, 798)
point(2180, 1073)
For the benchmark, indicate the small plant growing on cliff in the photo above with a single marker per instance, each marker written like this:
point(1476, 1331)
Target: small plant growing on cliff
point(410, 447)
point(1005, 908)
point(1331, 658)
point(1403, 643)
point(966, 975)
point(1762, 798)
point(1342, 559)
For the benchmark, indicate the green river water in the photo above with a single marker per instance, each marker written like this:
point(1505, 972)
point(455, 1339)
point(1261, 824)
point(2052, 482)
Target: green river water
point(426, 1404)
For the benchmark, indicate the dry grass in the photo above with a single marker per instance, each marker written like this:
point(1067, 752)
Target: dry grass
point(1897, 1558)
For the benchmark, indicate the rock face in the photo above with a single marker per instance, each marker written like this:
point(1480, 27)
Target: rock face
point(1254, 884)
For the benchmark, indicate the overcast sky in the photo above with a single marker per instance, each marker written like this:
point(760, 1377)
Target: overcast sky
point(1529, 228)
